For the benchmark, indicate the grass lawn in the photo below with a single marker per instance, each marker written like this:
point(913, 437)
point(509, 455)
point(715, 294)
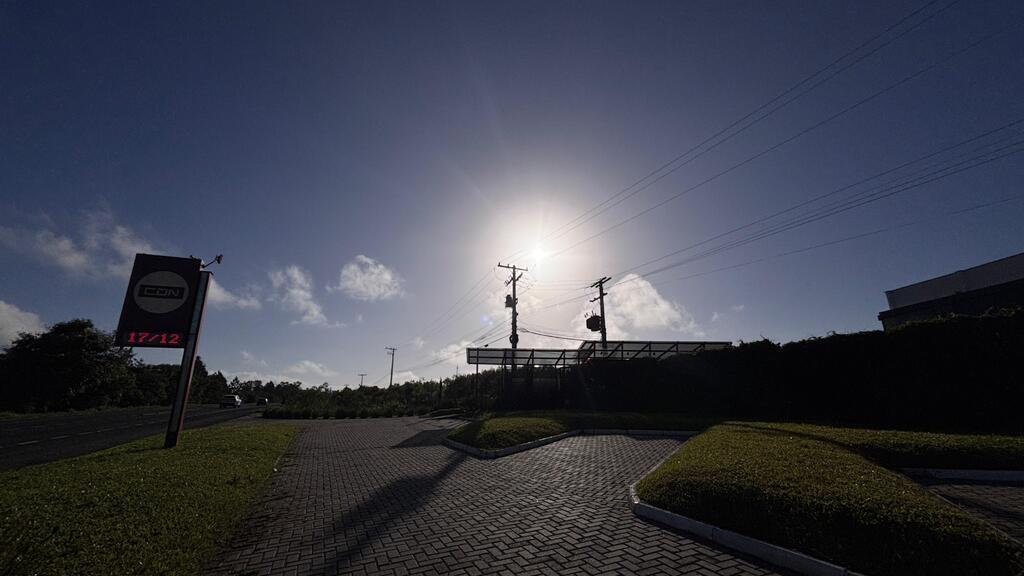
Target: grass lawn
point(502, 430)
point(808, 488)
point(136, 508)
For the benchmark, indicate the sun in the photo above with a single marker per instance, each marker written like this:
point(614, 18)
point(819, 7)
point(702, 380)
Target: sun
point(539, 253)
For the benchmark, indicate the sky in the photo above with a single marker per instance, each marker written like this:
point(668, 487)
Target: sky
point(364, 166)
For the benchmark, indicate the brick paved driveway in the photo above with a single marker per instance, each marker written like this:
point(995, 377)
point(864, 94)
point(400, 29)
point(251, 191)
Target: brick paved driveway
point(385, 497)
point(1002, 505)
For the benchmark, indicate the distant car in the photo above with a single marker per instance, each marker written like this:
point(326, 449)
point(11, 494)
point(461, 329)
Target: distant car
point(230, 401)
point(261, 401)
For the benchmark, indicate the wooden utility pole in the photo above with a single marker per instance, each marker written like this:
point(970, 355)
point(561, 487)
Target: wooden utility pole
point(391, 352)
point(600, 296)
point(361, 374)
point(511, 302)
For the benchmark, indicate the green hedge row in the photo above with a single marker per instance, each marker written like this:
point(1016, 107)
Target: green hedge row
point(960, 373)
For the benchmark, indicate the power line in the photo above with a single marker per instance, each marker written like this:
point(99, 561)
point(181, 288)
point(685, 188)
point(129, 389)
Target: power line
point(834, 192)
point(789, 139)
point(450, 314)
point(555, 336)
point(860, 200)
point(585, 216)
point(960, 211)
point(957, 212)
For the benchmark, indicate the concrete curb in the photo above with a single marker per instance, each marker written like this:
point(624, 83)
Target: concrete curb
point(1013, 476)
point(777, 555)
point(491, 454)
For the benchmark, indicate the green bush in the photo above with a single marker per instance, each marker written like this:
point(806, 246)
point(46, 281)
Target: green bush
point(955, 374)
point(816, 496)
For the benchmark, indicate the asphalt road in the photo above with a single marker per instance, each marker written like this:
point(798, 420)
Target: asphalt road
point(36, 439)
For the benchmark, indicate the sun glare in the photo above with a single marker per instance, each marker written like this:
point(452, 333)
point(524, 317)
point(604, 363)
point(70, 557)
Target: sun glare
point(539, 254)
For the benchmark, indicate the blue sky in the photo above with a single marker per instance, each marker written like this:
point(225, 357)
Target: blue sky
point(363, 166)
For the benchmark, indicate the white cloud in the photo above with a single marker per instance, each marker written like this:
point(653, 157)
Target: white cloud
point(116, 245)
point(251, 359)
point(246, 375)
point(308, 367)
point(105, 248)
point(405, 376)
point(453, 354)
point(294, 287)
point(738, 308)
point(59, 251)
point(418, 343)
point(633, 303)
point(220, 297)
point(366, 279)
point(14, 320)
point(715, 316)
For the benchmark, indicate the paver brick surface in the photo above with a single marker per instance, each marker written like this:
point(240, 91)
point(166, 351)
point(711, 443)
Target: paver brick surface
point(1002, 505)
point(386, 497)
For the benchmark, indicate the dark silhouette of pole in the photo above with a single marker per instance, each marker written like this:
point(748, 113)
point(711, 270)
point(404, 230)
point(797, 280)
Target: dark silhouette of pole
point(361, 374)
point(600, 296)
point(188, 363)
point(517, 273)
point(391, 352)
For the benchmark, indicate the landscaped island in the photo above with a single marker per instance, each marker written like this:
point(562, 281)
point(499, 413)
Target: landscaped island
point(834, 493)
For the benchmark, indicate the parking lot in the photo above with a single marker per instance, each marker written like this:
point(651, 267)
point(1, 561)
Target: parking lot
point(385, 497)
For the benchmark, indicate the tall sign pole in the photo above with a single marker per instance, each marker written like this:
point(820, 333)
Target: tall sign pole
point(163, 308)
point(188, 364)
point(600, 296)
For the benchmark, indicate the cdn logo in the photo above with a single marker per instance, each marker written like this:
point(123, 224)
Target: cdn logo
point(160, 292)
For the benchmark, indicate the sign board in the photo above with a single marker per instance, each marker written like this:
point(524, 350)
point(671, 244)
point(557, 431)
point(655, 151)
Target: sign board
point(158, 306)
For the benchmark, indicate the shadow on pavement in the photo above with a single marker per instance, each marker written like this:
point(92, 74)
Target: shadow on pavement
point(379, 515)
point(424, 438)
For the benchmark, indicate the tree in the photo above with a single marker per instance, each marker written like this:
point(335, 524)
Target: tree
point(71, 365)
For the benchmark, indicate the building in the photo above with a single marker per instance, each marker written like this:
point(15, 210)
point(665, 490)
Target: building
point(974, 291)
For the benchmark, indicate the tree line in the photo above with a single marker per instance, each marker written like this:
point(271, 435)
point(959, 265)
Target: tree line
point(75, 366)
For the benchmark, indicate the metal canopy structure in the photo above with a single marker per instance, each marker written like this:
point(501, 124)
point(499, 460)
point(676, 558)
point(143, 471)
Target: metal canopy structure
point(631, 349)
point(588, 350)
point(521, 356)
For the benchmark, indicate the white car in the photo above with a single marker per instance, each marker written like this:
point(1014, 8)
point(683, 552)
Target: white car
point(230, 401)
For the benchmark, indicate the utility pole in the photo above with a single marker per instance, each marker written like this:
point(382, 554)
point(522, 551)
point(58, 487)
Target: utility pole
point(513, 300)
point(391, 352)
point(600, 296)
point(361, 374)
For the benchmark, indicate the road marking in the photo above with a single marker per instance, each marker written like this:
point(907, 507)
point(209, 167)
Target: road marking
point(60, 437)
point(27, 443)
